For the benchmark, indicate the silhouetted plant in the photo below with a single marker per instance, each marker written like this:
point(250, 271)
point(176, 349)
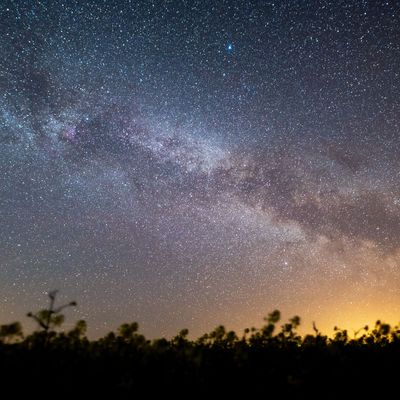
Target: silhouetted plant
point(127, 331)
point(315, 329)
point(10, 332)
point(79, 330)
point(51, 317)
point(181, 338)
point(273, 317)
point(341, 335)
point(288, 330)
point(121, 364)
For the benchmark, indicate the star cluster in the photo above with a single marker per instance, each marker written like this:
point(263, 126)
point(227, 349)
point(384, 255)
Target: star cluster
point(191, 163)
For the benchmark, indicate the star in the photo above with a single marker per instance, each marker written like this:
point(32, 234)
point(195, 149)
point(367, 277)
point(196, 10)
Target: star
point(229, 47)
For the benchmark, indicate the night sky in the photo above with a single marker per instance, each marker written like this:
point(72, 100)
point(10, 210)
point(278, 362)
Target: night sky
point(186, 164)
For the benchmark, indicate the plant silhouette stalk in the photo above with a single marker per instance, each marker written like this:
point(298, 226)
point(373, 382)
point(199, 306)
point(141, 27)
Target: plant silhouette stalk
point(52, 316)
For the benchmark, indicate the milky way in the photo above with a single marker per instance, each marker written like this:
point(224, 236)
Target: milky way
point(191, 163)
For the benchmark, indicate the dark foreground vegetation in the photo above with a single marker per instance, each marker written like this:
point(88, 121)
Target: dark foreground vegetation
point(270, 362)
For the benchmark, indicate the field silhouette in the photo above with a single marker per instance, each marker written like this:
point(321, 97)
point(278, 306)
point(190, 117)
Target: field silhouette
point(270, 362)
